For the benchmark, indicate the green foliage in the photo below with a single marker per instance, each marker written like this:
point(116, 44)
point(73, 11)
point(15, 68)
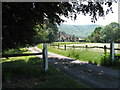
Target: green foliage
point(106, 60)
point(84, 55)
point(42, 34)
point(97, 30)
point(107, 34)
point(15, 51)
point(95, 36)
point(19, 19)
point(81, 54)
point(87, 55)
point(28, 72)
point(46, 33)
point(52, 30)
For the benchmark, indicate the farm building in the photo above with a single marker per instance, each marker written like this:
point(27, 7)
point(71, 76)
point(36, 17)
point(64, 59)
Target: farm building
point(63, 37)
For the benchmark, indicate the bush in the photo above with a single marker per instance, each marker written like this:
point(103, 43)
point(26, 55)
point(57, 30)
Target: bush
point(106, 60)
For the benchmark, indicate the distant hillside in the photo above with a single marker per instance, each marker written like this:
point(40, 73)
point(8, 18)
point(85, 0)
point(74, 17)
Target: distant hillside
point(81, 31)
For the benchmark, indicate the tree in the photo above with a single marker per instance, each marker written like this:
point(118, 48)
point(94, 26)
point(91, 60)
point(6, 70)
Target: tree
point(97, 30)
point(95, 36)
point(52, 31)
point(107, 34)
point(19, 19)
point(46, 33)
point(42, 33)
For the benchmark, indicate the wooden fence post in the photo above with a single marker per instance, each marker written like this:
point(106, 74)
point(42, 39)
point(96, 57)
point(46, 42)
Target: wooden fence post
point(86, 47)
point(73, 46)
point(58, 46)
point(105, 49)
point(65, 47)
point(45, 57)
point(112, 52)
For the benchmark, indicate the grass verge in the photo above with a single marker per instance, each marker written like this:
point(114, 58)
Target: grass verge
point(27, 72)
point(86, 55)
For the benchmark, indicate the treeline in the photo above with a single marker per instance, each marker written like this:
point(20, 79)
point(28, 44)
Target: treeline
point(107, 34)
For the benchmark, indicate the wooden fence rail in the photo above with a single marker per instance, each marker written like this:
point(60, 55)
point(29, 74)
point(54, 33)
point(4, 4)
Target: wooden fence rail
point(17, 55)
point(44, 53)
point(65, 46)
point(111, 48)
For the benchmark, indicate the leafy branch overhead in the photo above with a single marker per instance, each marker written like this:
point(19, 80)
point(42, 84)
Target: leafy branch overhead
point(19, 18)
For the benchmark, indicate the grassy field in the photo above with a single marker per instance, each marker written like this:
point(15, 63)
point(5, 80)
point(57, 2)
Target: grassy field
point(27, 72)
point(65, 43)
point(85, 55)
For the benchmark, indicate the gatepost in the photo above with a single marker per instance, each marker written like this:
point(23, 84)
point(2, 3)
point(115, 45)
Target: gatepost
point(112, 51)
point(45, 57)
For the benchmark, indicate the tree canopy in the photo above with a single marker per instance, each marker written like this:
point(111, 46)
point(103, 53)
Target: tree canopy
point(46, 33)
point(20, 18)
point(107, 34)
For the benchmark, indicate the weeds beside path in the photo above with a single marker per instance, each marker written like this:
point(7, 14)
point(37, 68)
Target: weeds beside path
point(91, 75)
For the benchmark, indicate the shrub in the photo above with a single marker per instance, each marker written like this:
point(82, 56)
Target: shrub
point(106, 60)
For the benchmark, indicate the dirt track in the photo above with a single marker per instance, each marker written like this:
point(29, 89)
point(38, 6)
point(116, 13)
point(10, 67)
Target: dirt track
point(89, 74)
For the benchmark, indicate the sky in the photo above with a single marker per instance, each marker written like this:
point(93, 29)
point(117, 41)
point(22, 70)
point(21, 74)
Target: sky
point(86, 20)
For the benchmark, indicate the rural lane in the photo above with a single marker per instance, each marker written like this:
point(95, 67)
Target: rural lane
point(91, 75)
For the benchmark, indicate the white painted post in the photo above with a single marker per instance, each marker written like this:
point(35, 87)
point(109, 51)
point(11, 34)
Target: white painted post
point(45, 57)
point(112, 51)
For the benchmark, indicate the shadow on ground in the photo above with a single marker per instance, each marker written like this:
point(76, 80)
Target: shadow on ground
point(90, 74)
point(23, 73)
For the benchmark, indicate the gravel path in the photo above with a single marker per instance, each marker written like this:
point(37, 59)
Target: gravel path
point(89, 74)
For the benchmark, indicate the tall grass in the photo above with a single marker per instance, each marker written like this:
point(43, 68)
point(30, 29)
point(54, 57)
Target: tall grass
point(85, 55)
point(79, 54)
point(88, 55)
